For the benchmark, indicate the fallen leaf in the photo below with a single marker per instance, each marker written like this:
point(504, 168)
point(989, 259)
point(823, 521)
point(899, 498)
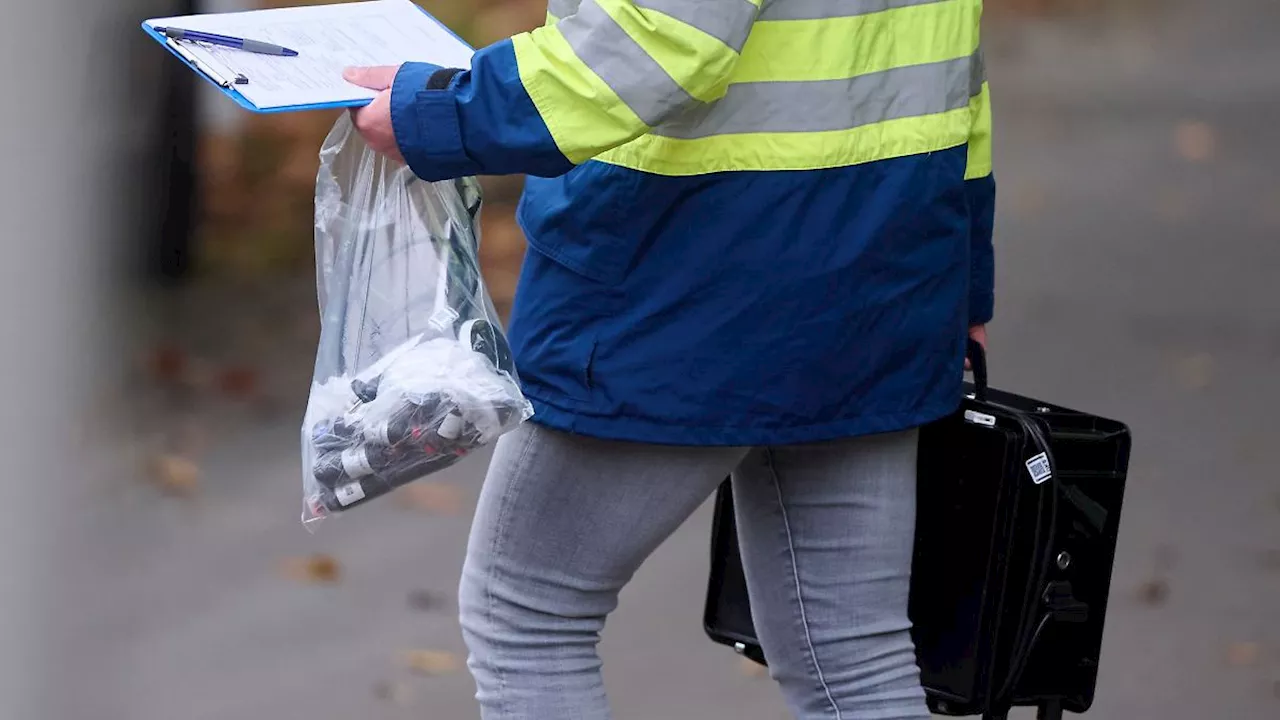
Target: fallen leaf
point(1153, 592)
point(396, 693)
point(167, 363)
point(425, 600)
point(317, 568)
point(1243, 654)
point(1196, 371)
point(175, 474)
point(1195, 141)
point(430, 497)
point(238, 382)
point(751, 668)
point(432, 662)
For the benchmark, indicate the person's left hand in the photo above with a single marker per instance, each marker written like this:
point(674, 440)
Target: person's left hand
point(373, 121)
point(979, 333)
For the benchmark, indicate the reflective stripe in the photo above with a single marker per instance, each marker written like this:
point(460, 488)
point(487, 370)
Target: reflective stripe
point(979, 161)
point(794, 151)
point(826, 105)
point(602, 45)
point(729, 26)
point(844, 47)
point(978, 72)
point(663, 78)
point(562, 8)
point(728, 21)
point(823, 9)
point(557, 81)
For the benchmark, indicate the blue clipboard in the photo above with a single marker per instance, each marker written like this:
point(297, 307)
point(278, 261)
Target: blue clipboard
point(228, 88)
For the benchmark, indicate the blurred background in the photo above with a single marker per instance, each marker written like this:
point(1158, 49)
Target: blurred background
point(161, 323)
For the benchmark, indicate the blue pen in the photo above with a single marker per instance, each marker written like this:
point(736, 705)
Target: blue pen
point(253, 46)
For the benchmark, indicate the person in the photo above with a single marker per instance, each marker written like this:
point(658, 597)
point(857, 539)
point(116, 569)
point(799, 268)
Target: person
point(759, 232)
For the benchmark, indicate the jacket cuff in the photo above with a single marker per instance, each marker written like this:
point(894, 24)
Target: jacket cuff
point(424, 117)
point(981, 193)
point(982, 308)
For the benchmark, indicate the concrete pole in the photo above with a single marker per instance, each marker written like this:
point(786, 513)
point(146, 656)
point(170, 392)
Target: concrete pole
point(76, 124)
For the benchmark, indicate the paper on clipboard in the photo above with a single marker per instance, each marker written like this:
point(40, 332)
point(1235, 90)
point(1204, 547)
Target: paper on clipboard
point(328, 38)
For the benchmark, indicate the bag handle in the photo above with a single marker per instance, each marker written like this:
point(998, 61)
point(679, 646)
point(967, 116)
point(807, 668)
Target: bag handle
point(978, 363)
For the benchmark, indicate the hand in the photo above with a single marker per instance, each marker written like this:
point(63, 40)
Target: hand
point(979, 333)
point(373, 121)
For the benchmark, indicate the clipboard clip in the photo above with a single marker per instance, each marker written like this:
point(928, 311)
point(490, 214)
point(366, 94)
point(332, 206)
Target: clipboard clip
point(218, 78)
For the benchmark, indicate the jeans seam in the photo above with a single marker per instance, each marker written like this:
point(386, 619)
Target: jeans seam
point(795, 574)
point(499, 535)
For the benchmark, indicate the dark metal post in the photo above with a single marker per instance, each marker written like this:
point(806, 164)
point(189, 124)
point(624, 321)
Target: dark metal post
point(170, 253)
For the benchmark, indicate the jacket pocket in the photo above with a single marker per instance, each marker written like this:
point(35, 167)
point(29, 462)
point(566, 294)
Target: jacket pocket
point(592, 220)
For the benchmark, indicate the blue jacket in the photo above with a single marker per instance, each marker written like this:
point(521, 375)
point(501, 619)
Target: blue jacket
point(744, 308)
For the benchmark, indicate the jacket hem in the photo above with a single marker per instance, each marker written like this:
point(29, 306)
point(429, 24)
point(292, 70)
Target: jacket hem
point(656, 432)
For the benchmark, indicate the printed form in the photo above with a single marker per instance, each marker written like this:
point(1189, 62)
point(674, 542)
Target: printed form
point(328, 38)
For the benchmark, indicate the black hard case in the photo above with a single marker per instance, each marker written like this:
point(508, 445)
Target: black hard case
point(1010, 577)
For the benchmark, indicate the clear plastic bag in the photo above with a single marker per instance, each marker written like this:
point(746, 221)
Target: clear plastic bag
point(413, 370)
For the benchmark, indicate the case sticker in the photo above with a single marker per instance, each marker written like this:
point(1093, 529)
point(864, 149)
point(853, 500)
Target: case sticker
point(978, 418)
point(1039, 468)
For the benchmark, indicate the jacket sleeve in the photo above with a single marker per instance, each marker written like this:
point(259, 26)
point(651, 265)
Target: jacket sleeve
point(980, 190)
point(544, 101)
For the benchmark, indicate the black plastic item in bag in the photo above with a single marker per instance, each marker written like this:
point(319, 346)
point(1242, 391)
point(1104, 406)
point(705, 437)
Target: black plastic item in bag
point(413, 370)
point(1018, 510)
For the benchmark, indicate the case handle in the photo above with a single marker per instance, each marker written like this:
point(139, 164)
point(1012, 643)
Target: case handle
point(978, 363)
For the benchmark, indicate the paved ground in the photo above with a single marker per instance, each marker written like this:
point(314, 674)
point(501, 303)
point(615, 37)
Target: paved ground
point(1137, 257)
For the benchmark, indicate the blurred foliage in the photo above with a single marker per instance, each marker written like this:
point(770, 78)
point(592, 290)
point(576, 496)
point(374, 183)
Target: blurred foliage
point(258, 184)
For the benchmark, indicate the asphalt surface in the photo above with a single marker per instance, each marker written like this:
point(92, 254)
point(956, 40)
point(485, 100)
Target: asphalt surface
point(1137, 277)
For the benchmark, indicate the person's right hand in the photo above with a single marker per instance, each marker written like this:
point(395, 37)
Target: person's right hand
point(373, 121)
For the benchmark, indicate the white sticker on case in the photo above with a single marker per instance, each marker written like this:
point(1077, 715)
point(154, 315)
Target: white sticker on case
point(1039, 468)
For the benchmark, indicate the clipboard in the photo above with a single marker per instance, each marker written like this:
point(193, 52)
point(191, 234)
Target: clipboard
point(227, 82)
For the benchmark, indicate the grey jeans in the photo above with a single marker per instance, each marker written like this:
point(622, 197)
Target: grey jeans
point(565, 521)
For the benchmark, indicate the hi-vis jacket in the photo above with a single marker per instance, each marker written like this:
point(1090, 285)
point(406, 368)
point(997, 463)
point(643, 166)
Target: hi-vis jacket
point(750, 221)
